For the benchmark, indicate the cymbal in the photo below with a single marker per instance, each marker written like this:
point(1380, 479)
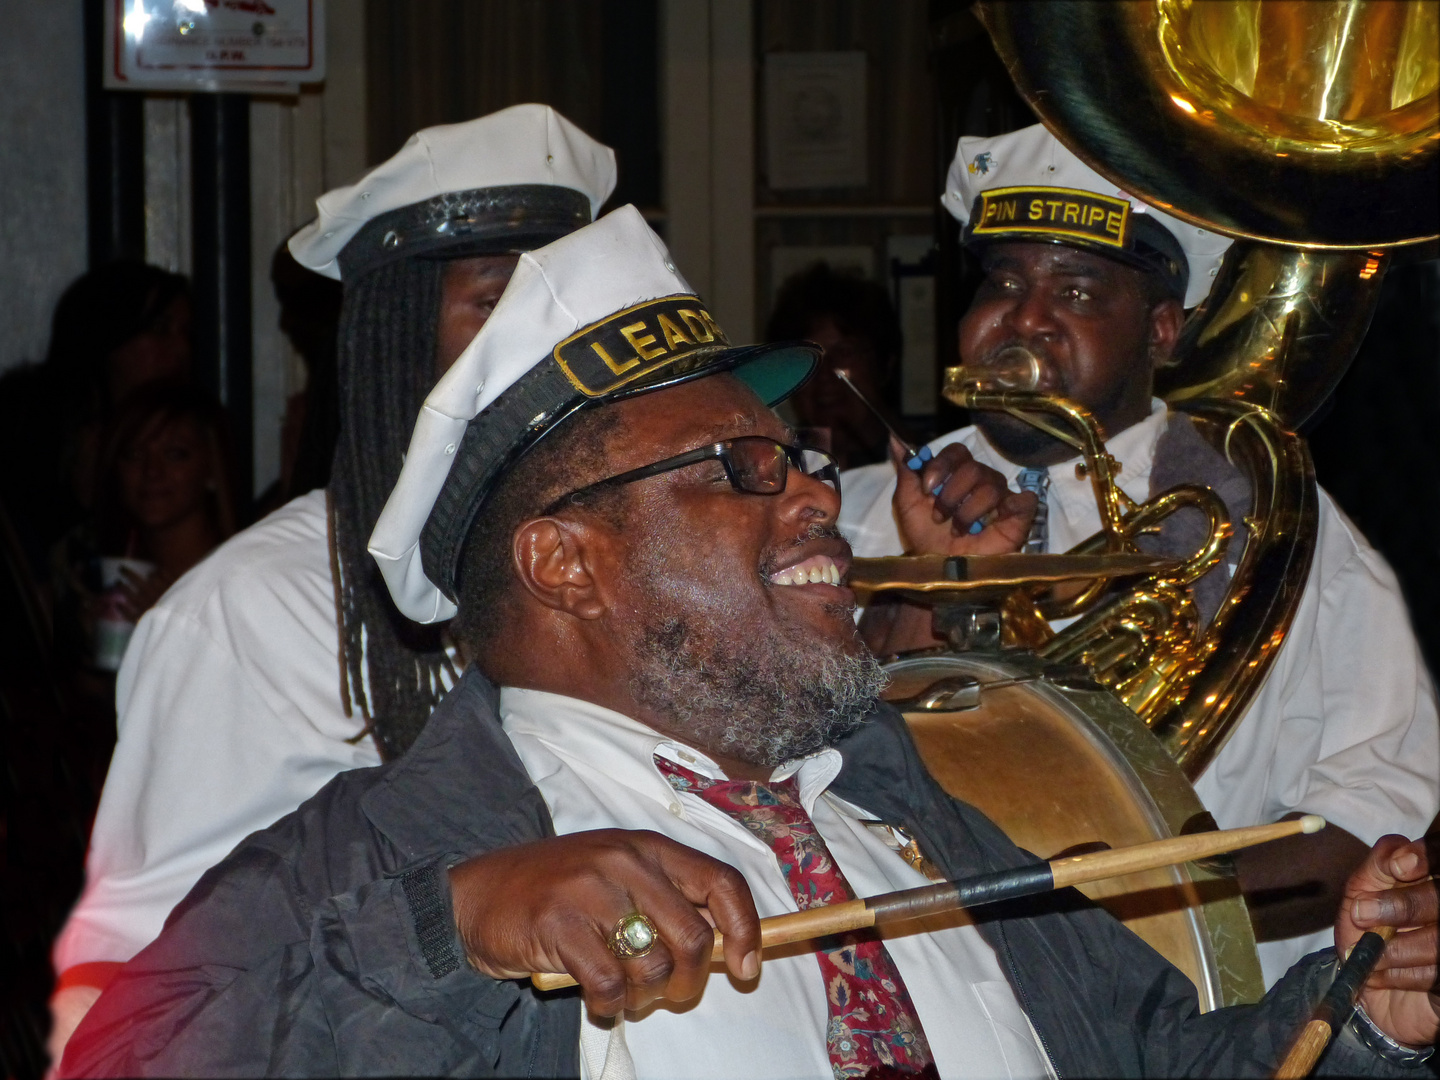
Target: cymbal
point(980, 574)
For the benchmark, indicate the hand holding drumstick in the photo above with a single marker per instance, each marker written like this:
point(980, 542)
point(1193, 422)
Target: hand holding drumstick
point(1393, 887)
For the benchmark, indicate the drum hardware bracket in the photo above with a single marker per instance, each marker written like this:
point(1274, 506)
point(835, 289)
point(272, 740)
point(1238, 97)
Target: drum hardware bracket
point(958, 693)
point(968, 627)
point(1222, 865)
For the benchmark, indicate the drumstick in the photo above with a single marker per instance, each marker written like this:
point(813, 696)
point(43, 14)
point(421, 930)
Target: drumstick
point(915, 458)
point(999, 885)
point(1337, 1004)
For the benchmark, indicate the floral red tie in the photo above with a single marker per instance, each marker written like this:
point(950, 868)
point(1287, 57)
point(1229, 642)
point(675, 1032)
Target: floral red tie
point(874, 1030)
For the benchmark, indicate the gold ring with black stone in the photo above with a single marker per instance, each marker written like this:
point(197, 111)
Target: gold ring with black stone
point(633, 937)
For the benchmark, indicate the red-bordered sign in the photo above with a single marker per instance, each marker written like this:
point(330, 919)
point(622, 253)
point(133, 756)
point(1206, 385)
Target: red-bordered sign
point(214, 45)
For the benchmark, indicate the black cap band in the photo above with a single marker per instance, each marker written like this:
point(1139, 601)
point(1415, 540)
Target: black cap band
point(484, 221)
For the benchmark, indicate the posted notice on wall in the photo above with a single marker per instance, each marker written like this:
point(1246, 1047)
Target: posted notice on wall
point(815, 108)
point(216, 46)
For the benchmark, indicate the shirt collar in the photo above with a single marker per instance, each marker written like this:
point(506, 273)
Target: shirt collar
point(624, 749)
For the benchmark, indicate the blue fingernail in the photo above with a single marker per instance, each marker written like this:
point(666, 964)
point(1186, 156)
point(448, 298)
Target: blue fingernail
point(976, 527)
point(937, 489)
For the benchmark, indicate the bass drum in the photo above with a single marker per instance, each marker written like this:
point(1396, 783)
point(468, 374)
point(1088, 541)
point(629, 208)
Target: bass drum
point(1058, 762)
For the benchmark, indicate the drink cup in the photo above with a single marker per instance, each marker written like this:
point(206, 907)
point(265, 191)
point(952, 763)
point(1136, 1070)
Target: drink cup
point(113, 626)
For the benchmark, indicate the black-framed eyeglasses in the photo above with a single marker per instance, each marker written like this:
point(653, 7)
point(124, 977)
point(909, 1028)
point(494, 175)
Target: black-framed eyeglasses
point(754, 465)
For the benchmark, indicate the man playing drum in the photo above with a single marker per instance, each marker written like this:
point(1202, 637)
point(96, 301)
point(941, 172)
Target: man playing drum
point(674, 725)
point(1094, 284)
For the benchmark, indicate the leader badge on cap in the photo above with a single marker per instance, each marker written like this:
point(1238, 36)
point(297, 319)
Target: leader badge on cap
point(632, 343)
point(1026, 185)
point(595, 317)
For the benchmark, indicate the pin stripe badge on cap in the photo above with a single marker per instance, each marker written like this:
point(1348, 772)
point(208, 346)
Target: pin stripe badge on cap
point(1054, 211)
point(632, 343)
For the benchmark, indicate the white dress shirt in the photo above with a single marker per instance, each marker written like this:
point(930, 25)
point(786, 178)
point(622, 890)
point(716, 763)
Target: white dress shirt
point(1345, 724)
point(595, 769)
point(229, 716)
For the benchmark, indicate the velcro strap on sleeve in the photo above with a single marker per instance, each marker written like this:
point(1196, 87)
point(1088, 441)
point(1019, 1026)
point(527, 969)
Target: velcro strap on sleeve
point(434, 926)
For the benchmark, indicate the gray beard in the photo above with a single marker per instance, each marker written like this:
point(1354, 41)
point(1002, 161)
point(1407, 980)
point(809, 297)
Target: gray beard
point(764, 702)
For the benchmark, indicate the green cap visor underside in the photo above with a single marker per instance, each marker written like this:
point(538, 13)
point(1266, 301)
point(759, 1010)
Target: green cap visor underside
point(773, 371)
point(774, 376)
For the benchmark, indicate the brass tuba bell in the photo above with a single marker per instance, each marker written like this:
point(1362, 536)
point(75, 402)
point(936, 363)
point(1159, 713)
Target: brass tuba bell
point(1310, 131)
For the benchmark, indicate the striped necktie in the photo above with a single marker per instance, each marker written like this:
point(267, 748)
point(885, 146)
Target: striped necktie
point(873, 1028)
point(1038, 481)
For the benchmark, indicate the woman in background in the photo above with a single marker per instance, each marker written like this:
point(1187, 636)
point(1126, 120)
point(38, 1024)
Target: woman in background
point(855, 323)
point(163, 500)
point(165, 497)
point(116, 328)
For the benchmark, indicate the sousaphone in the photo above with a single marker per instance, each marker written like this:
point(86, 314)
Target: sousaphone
point(1309, 130)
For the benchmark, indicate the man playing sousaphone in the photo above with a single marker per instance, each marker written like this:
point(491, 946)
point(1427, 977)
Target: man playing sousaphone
point(1093, 285)
point(672, 726)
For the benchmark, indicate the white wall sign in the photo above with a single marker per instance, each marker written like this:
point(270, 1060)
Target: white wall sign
point(815, 110)
point(244, 46)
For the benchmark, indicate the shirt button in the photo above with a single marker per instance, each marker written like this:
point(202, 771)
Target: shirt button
point(677, 809)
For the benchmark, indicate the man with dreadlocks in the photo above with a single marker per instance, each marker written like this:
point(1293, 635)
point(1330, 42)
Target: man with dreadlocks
point(232, 710)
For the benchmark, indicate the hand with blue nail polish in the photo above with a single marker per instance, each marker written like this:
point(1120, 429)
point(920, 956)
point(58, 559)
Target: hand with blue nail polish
point(916, 461)
point(947, 503)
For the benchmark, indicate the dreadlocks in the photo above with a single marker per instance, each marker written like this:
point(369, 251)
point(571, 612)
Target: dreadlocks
point(390, 667)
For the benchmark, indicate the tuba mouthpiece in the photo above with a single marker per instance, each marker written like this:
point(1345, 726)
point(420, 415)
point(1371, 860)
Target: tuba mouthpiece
point(1013, 368)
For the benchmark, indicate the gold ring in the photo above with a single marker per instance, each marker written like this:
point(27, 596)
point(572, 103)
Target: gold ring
point(633, 937)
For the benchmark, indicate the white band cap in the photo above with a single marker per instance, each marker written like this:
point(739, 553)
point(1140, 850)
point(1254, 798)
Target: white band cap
point(524, 144)
point(1033, 157)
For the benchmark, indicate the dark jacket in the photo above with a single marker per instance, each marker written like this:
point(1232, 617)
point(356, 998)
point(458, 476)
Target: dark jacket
point(324, 945)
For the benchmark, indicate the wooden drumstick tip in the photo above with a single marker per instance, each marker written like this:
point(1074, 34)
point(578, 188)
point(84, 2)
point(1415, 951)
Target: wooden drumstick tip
point(1306, 1051)
point(1336, 1006)
point(1311, 823)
